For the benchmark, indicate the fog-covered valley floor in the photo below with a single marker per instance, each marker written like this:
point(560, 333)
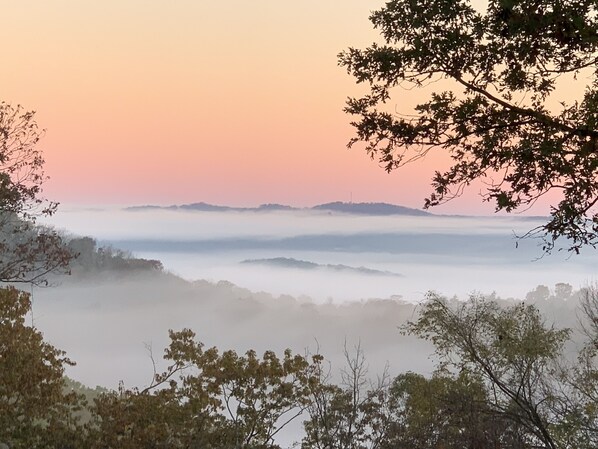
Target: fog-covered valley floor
point(273, 280)
point(105, 325)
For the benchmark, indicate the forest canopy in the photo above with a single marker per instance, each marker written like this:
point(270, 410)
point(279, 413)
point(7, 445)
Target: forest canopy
point(505, 377)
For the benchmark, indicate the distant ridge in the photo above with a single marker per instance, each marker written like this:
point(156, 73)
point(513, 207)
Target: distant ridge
point(334, 207)
point(370, 209)
point(203, 207)
point(286, 262)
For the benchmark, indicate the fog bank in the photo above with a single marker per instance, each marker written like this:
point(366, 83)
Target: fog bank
point(450, 254)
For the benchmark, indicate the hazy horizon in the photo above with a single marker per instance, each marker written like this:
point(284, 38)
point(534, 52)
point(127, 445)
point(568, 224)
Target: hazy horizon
point(448, 254)
point(142, 106)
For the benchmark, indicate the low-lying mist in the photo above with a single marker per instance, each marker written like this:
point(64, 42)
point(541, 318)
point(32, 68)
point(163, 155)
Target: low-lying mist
point(108, 321)
point(449, 254)
point(105, 323)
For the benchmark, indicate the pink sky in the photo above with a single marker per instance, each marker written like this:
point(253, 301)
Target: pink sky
point(237, 102)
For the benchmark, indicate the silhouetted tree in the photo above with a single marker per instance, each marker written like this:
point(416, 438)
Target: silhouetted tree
point(352, 415)
point(497, 109)
point(28, 252)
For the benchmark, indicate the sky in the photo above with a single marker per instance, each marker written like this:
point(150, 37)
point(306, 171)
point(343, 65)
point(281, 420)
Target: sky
point(236, 102)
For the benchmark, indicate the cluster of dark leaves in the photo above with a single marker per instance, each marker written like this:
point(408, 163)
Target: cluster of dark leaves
point(502, 70)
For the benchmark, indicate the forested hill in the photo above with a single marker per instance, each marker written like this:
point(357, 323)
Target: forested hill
point(91, 259)
point(338, 206)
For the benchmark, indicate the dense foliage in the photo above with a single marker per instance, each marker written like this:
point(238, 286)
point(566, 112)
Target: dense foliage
point(36, 410)
point(207, 399)
point(504, 379)
point(539, 398)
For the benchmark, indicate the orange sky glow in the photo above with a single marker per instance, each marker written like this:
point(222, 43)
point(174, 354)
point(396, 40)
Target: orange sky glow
point(233, 102)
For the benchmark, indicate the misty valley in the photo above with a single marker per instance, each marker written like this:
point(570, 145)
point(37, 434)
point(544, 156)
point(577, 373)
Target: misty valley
point(423, 274)
point(338, 256)
point(239, 277)
point(328, 283)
